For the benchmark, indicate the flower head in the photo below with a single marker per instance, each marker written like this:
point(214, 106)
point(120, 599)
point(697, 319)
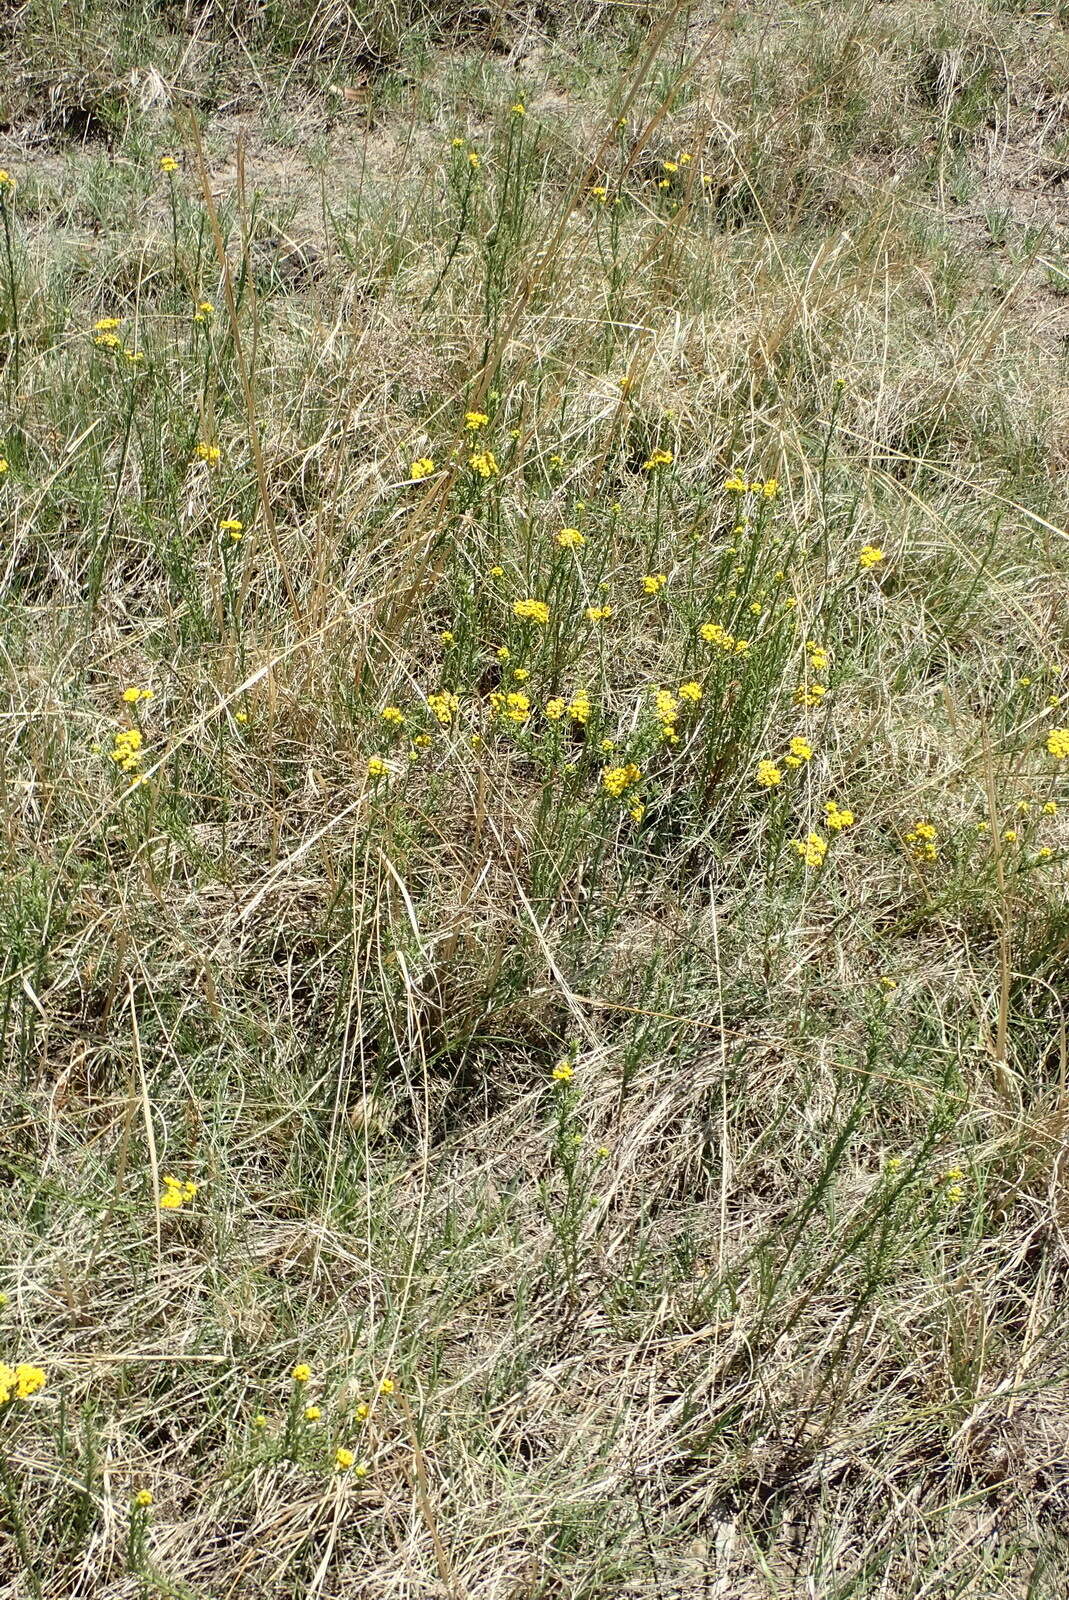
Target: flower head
point(570, 539)
point(654, 582)
point(343, 1459)
point(812, 849)
point(233, 526)
point(168, 164)
point(484, 464)
point(531, 611)
point(768, 774)
point(598, 613)
point(474, 420)
point(658, 458)
point(421, 468)
point(210, 453)
point(301, 1373)
point(376, 767)
point(1058, 743)
point(563, 1072)
point(870, 555)
point(143, 1498)
point(837, 817)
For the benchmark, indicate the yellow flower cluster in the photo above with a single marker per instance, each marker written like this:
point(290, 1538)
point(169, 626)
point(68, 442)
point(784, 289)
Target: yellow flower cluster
point(21, 1381)
point(376, 767)
point(127, 752)
point(922, 839)
point(485, 464)
point(870, 555)
point(563, 1072)
point(768, 488)
point(579, 707)
point(615, 780)
point(444, 705)
point(531, 611)
point(598, 613)
point(800, 750)
point(768, 774)
point(421, 468)
point(203, 310)
point(714, 633)
point(654, 582)
point(514, 707)
point(812, 849)
point(570, 539)
point(176, 1193)
point(393, 716)
point(233, 526)
point(168, 164)
point(1058, 743)
point(659, 458)
point(474, 420)
point(837, 817)
point(209, 453)
point(132, 695)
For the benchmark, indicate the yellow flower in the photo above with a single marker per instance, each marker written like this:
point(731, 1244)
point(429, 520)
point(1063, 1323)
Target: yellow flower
point(735, 485)
point(518, 109)
point(232, 526)
point(659, 458)
point(812, 849)
point(713, 633)
point(598, 193)
point(1050, 808)
point(768, 774)
point(485, 464)
point(361, 1469)
point(458, 144)
point(1058, 743)
point(563, 1071)
point(259, 1420)
point(107, 325)
point(810, 694)
point(555, 709)
point(473, 160)
point(241, 716)
point(531, 611)
point(343, 1459)
point(302, 1372)
point(422, 468)
point(131, 696)
point(376, 767)
point(444, 706)
point(312, 1413)
point(362, 1411)
point(888, 985)
point(654, 582)
point(387, 1386)
point(636, 813)
point(666, 704)
point(3, 465)
point(870, 555)
point(570, 539)
point(598, 613)
point(143, 1498)
point(819, 660)
point(837, 817)
point(6, 180)
point(209, 453)
point(579, 708)
point(922, 839)
point(168, 164)
point(691, 692)
point(474, 420)
point(616, 779)
point(204, 310)
point(801, 749)
point(670, 166)
point(497, 572)
point(447, 636)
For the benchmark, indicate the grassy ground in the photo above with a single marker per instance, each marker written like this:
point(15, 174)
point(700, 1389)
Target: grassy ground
point(534, 681)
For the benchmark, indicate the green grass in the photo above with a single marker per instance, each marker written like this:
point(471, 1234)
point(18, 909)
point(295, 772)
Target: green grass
point(763, 1293)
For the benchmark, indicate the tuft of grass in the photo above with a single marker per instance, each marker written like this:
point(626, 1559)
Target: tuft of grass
point(535, 733)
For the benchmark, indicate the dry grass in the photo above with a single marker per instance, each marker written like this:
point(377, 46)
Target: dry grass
point(768, 1297)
